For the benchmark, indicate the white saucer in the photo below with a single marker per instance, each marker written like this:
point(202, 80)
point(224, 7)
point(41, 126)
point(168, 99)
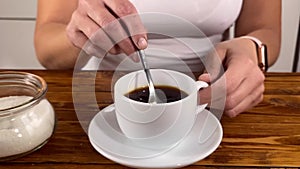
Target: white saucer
point(107, 138)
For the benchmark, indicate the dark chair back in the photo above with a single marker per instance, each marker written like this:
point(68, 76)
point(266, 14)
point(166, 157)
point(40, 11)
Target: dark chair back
point(296, 63)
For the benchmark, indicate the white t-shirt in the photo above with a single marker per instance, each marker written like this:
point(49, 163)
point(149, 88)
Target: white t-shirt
point(190, 29)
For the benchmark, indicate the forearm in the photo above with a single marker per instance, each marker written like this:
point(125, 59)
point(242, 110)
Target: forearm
point(269, 37)
point(53, 48)
point(262, 19)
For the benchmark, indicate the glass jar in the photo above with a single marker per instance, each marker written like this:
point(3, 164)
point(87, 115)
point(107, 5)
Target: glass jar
point(27, 119)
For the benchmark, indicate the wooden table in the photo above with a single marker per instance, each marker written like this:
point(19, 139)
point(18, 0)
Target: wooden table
point(266, 136)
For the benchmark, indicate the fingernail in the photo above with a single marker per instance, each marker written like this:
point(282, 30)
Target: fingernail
point(142, 43)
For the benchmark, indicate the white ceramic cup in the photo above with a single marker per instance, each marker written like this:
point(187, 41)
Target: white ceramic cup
point(157, 125)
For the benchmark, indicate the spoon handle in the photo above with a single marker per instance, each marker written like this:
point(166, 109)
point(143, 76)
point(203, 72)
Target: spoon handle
point(152, 97)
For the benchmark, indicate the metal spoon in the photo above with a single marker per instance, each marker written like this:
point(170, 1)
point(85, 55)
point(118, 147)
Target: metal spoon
point(152, 94)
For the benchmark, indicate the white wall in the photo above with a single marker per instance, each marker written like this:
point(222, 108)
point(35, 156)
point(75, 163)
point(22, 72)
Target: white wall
point(298, 65)
point(16, 49)
point(290, 20)
point(17, 22)
point(17, 27)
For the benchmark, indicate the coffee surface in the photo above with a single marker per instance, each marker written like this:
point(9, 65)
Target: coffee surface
point(166, 93)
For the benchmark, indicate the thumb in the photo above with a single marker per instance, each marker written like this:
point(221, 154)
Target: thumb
point(205, 94)
point(204, 77)
point(142, 43)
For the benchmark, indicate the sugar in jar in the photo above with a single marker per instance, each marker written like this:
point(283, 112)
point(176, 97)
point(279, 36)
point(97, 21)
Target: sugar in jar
point(27, 119)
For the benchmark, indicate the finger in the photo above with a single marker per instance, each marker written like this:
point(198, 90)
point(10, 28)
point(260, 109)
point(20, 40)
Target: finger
point(103, 41)
point(215, 94)
point(136, 30)
point(204, 77)
point(112, 30)
point(252, 100)
point(205, 95)
point(115, 50)
point(93, 50)
point(213, 62)
point(75, 35)
point(236, 73)
point(119, 36)
point(93, 32)
point(77, 38)
point(128, 15)
point(244, 90)
point(117, 33)
point(224, 85)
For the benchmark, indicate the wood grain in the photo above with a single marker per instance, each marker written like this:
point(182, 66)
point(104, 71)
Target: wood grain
point(265, 136)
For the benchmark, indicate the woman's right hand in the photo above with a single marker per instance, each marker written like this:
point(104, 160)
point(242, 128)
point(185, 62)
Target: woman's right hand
point(106, 26)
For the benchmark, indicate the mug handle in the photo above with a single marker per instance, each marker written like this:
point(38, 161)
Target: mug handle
point(200, 85)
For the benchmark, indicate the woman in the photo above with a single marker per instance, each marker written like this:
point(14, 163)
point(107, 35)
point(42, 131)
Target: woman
point(64, 27)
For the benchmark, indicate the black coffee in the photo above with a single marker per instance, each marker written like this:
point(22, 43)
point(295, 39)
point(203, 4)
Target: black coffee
point(165, 93)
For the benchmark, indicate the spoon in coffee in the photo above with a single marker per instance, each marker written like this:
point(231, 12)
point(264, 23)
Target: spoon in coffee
point(152, 94)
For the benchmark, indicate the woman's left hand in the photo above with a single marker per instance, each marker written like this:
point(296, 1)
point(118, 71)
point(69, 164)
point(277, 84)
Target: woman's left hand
point(243, 78)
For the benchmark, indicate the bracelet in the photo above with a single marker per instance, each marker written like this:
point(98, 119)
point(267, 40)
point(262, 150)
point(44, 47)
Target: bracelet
point(261, 50)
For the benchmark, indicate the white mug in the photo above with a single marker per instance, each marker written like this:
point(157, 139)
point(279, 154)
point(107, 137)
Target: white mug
point(157, 125)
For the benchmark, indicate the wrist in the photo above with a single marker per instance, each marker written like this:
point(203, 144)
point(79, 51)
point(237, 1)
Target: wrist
point(261, 52)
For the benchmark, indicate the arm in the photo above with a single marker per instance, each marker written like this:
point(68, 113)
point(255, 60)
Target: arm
point(53, 48)
point(63, 28)
point(262, 19)
point(244, 79)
